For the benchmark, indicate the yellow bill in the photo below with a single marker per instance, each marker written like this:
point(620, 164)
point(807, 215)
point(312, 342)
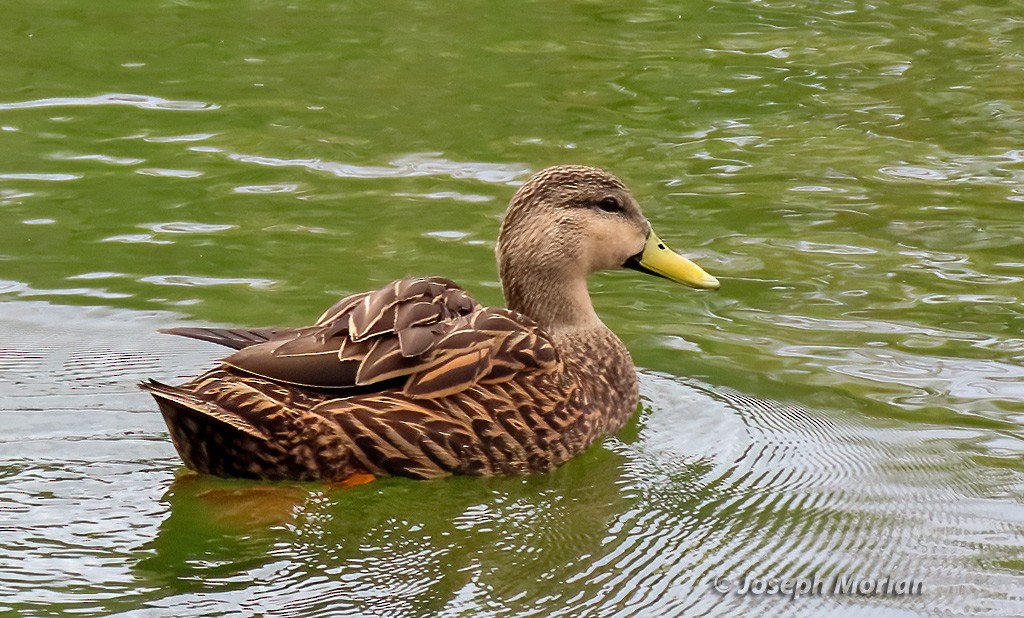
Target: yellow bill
point(658, 259)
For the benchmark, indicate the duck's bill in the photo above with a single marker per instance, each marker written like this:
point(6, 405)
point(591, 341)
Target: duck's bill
point(657, 259)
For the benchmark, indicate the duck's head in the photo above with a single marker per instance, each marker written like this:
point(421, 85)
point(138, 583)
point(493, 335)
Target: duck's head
point(567, 222)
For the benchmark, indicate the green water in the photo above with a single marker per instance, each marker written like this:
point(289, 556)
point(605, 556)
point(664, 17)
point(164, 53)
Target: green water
point(852, 172)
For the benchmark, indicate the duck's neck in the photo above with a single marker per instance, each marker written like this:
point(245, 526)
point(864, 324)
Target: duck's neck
point(592, 354)
point(558, 306)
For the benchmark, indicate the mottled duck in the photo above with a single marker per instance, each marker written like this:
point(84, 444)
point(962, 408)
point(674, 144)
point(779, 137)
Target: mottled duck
point(418, 379)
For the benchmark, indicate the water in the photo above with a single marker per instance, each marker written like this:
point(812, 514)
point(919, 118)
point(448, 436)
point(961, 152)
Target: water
point(850, 403)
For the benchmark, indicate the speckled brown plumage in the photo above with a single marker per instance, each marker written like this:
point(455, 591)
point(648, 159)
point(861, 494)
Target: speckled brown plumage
point(418, 379)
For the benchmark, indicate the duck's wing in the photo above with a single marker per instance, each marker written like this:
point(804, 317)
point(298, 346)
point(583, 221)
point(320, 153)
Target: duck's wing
point(424, 337)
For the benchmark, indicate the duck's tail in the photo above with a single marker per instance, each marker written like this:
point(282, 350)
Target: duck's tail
point(231, 437)
point(235, 338)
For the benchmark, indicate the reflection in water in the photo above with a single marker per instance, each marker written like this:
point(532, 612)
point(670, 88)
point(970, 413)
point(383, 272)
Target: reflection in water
point(705, 483)
point(376, 547)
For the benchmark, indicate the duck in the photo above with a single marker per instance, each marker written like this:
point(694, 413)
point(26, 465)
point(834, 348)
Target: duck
point(417, 379)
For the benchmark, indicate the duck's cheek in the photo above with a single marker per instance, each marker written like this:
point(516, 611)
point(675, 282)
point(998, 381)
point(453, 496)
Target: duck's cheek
point(607, 254)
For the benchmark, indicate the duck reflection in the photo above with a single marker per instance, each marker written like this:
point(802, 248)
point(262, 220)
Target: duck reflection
point(391, 546)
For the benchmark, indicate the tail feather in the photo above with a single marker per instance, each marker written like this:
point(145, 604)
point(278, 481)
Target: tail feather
point(191, 404)
point(235, 338)
point(235, 435)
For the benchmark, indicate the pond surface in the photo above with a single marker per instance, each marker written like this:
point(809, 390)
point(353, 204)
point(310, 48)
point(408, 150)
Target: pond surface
point(850, 404)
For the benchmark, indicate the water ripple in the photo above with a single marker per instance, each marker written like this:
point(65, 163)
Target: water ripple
point(920, 380)
point(190, 280)
point(23, 289)
point(137, 238)
point(638, 527)
point(102, 158)
point(132, 100)
point(171, 139)
point(424, 164)
point(277, 188)
point(188, 227)
point(450, 195)
point(47, 177)
point(169, 173)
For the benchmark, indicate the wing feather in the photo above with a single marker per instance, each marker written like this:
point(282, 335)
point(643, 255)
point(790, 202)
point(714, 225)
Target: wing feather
point(458, 372)
point(384, 361)
point(427, 334)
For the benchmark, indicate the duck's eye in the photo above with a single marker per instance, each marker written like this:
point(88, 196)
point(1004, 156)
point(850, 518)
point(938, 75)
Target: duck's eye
point(610, 204)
